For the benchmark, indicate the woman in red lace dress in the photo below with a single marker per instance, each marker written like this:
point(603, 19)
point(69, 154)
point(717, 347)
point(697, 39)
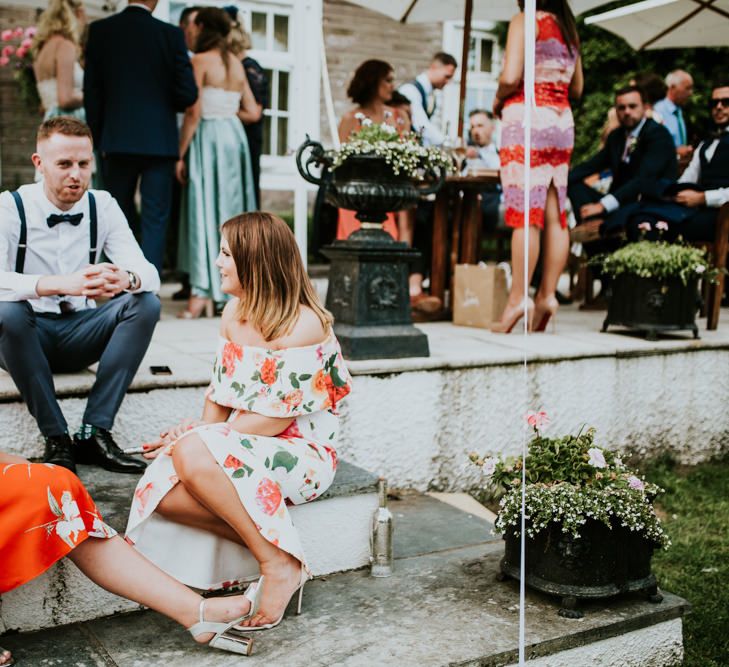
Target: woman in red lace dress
point(558, 76)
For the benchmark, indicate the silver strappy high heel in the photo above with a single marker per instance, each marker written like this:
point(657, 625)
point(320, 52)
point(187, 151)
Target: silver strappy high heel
point(258, 592)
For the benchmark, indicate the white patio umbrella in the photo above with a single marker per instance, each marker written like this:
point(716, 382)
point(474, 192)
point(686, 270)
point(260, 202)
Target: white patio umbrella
point(432, 11)
point(668, 24)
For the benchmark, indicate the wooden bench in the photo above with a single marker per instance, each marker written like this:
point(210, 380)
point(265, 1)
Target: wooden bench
point(712, 291)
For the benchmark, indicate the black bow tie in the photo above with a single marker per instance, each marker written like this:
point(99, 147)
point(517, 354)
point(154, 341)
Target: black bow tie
point(54, 219)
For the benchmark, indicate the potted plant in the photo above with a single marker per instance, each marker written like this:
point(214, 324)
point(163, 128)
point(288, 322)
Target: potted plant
point(376, 170)
point(654, 285)
point(16, 51)
point(591, 528)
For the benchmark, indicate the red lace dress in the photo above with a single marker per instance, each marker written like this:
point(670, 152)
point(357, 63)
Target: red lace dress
point(553, 130)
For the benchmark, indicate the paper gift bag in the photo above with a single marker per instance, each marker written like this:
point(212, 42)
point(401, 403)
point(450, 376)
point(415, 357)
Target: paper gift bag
point(480, 293)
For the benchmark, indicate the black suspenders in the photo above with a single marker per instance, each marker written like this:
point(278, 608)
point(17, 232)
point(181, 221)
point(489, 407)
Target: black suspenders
point(23, 237)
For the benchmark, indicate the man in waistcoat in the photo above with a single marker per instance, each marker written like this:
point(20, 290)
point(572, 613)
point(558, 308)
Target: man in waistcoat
point(52, 236)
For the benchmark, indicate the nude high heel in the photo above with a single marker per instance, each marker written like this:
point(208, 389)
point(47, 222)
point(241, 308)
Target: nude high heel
point(228, 636)
point(197, 307)
point(546, 312)
point(300, 590)
point(511, 316)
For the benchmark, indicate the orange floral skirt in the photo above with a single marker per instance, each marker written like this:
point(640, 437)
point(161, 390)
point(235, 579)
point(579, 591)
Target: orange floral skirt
point(45, 512)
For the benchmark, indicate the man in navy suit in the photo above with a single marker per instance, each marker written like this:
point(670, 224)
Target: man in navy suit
point(637, 153)
point(138, 75)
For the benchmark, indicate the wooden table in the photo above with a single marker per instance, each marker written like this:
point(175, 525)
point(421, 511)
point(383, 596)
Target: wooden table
point(457, 226)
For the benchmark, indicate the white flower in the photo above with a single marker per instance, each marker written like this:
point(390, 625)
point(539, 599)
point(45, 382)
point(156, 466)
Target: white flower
point(68, 527)
point(100, 529)
point(489, 466)
point(366, 122)
point(700, 268)
point(597, 458)
point(359, 116)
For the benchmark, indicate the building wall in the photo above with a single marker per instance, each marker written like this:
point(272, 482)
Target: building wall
point(18, 124)
point(353, 34)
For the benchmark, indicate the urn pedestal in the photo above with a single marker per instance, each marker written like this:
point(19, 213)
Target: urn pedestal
point(368, 291)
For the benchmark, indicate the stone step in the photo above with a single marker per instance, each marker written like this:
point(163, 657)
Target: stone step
point(442, 607)
point(335, 531)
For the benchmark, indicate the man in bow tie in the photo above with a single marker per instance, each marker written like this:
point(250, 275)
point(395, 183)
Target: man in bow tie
point(52, 236)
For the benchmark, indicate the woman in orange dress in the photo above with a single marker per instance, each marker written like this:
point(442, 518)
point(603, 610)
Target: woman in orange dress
point(46, 514)
point(558, 76)
point(370, 89)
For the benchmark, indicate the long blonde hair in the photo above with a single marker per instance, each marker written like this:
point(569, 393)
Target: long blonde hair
point(272, 276)
point(58, 19)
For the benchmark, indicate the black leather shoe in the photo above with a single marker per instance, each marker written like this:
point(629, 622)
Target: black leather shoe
point(59, 451)
point(101, 450)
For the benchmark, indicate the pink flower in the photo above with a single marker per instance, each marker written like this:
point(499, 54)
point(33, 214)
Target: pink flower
point(141, 495)
point(6, 35)
point(26, 43)
point(31, 31)
point(644, 226)
point(635, 483)
point(8, 50)
point(4, 60)
point(268, 496)
point(20, 53)
point(489, 466)
point(18, 32)
point(597, 458)
point(537, 419)
point(662, 225)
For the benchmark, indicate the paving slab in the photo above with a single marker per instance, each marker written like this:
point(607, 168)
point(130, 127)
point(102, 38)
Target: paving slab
point(436, 610)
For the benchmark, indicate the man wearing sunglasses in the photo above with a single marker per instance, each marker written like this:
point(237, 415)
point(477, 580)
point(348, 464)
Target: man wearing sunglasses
point(690, 206)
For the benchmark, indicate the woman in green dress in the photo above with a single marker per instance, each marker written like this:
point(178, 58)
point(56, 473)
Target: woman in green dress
point(215, 167)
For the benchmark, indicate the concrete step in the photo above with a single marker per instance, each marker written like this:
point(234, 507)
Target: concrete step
point(442, 607)
point(335, 531)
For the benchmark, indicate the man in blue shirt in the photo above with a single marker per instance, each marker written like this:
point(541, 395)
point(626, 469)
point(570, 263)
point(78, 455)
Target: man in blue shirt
point(680, 88)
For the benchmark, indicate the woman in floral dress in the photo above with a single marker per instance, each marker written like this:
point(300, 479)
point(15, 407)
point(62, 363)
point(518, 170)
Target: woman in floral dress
point(212, 510)
point(46, 514)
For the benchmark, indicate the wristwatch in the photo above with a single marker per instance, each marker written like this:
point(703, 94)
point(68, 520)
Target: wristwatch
point(133, 281)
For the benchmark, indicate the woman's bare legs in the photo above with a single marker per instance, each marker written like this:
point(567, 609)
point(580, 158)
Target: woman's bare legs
point(5, 656)
point(205, 481)
point(515, 302)
point(406, 226)
point(179, 506)
point(119, 568)
point(556, 250)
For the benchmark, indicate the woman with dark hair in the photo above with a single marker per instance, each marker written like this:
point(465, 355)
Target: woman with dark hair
point(215, 164)
point(371, 89)
point(558, 77)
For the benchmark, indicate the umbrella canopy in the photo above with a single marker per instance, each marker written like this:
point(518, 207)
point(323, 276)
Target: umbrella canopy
point(668, 24)
point(432, 11)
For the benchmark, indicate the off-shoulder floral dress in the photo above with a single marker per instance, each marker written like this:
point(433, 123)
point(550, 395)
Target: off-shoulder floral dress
point(268, 473)
point(45, 512)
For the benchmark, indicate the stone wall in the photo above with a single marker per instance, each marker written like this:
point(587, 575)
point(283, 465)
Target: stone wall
point(353, 34)
point(18, 124)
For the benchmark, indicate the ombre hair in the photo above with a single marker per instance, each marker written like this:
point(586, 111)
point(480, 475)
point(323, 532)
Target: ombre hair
point(274, 283)
point(58, 19)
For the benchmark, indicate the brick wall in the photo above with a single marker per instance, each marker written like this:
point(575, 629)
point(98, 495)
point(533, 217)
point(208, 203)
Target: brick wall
point(18, 124)
point(353, 34)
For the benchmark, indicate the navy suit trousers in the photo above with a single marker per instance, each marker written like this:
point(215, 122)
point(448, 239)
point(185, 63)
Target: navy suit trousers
point(33, 346)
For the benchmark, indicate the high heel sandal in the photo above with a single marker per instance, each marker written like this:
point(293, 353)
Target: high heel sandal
point(505, 325)
point(197, 307)
point(544, 314)
point(228, 636)
point(259, 591)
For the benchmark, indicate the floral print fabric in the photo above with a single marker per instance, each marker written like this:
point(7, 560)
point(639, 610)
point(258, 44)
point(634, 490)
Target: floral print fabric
point(268, 473)
point(46, 512)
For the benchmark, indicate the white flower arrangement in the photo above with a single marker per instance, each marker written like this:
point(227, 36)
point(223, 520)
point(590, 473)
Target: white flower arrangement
point(405, 154)
point(570, 480)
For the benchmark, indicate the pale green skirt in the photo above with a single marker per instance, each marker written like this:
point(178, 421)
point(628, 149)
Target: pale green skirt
point(220, 186)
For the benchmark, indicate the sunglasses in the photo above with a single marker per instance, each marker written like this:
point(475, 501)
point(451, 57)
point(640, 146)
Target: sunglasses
point(716, 101)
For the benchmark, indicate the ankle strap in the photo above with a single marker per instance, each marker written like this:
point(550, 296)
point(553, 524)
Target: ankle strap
point(202, 611)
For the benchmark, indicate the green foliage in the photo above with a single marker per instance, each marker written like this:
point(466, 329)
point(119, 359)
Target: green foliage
point(696, 509)
point(661, 260)
point(570, 480)
point(404, 154)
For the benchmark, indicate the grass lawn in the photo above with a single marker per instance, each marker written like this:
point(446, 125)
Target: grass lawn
point(695, 512)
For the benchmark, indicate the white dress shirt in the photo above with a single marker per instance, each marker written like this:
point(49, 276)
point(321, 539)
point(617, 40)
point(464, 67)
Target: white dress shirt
point(692, 174)
point(64, 249)
point(432, 135)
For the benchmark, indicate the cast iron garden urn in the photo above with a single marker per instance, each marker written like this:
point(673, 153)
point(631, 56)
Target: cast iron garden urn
point(368, 278)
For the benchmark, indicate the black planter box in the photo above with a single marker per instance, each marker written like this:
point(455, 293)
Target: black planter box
point(652, 304)
point(602, 562)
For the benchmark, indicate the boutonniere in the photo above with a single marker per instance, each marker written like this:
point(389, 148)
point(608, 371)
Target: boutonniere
point(632, 144)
